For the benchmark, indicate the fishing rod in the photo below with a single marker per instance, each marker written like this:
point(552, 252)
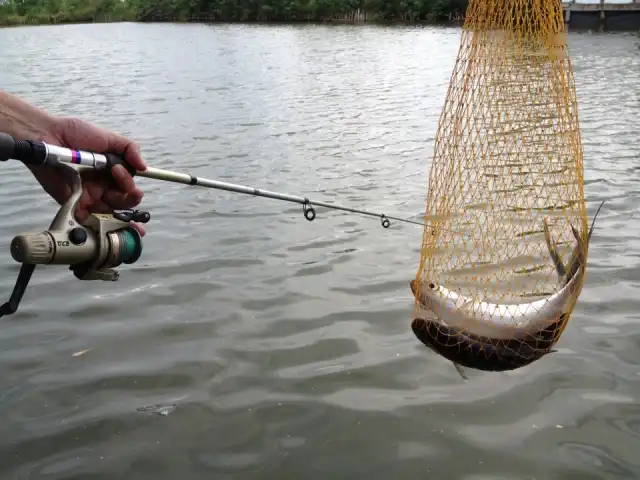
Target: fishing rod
point(96, 247)
point(307, 204)
point(40, 153)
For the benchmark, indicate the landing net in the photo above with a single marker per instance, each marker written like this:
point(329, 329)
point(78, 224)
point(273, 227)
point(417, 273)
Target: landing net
point(508, 154)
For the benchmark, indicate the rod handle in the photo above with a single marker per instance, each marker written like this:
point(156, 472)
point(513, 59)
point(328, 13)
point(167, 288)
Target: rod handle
point(26, 151)
point(114, 159)
point(7, 144)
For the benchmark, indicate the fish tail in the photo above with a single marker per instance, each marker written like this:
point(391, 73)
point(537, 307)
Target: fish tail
point(553, 252)
point(593, 222)
point(578, 256)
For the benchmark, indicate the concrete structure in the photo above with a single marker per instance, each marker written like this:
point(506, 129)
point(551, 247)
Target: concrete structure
point(615, 17)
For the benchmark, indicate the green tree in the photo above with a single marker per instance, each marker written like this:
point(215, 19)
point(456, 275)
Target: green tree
point(60, 11)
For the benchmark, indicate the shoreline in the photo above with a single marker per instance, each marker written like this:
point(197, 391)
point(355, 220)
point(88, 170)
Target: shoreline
point(455, 21)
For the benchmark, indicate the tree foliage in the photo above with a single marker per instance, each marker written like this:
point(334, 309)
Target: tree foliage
point(66, 11)
point(14, 12)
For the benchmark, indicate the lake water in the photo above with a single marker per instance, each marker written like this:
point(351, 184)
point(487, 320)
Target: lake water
point(285, 345)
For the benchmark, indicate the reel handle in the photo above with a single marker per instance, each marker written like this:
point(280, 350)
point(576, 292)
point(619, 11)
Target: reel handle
point(20, 287)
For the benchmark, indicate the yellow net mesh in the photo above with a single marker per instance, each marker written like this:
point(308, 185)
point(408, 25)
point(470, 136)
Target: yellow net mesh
point(508, 154)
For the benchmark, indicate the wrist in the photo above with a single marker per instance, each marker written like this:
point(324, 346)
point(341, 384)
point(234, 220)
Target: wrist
point(24, 121)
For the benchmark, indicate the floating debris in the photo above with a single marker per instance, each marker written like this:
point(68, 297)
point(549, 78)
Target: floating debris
point(81, 352)
point(158, 409)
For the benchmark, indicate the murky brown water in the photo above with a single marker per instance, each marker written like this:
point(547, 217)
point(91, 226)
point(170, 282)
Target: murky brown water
point(286, 344)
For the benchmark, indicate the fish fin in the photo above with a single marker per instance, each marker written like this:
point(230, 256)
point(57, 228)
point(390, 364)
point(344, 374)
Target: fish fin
point(576, 235)
point(593, 222)
point(461, 371)
point(458, 367)
point(577, 257)
point(575, 260)
point(553, 252)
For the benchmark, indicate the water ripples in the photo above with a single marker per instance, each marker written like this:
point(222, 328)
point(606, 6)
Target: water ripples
point(285, 345)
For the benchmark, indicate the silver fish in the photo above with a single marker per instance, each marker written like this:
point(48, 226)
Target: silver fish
point(479, 317)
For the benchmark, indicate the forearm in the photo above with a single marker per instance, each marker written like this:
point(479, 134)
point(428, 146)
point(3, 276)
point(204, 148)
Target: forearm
point(24, 121)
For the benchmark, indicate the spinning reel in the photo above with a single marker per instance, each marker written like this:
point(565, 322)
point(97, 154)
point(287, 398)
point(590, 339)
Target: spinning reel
point(92, 249)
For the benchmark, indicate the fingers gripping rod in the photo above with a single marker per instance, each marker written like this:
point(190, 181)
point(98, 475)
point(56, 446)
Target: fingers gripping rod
point(39, 153)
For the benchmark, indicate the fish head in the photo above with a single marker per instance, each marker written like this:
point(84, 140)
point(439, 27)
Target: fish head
point(435, 297)
point(414, 286)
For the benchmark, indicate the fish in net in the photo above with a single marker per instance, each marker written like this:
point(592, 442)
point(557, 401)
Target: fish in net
point(506, 237)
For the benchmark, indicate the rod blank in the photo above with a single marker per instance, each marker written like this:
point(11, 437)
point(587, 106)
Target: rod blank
point(187, 179)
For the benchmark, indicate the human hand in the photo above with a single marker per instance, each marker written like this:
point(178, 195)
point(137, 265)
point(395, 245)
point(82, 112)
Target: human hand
point(100, 193)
